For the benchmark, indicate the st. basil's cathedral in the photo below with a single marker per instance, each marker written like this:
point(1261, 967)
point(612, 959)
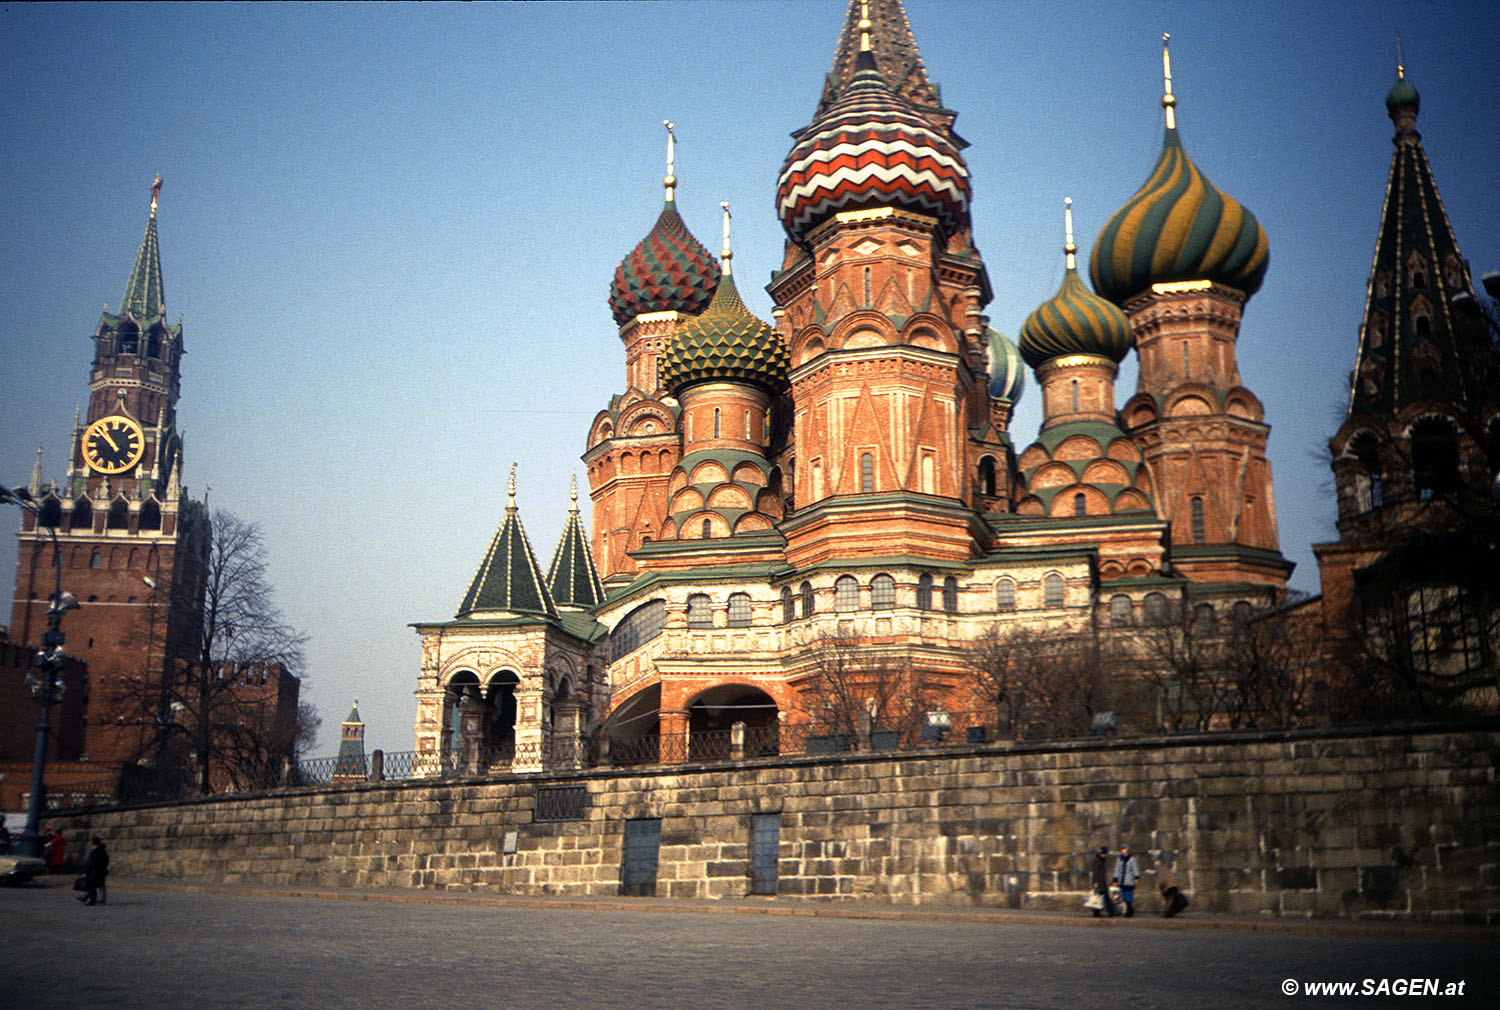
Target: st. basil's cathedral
point(841, 484)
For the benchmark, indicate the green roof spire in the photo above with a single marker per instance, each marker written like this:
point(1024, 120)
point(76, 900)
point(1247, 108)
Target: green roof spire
point(509, 579)
point(144, 297)
point(572, 578)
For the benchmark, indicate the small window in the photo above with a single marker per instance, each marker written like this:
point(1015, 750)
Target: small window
point(924, 592)
point(739, 610)
point(1005, 595)
point(987, 476)
point(882, 592)
point(1434, 451)
point(845, 594)
point(1198, 531)
point(1120, 611)
point(700, 611)
point(1080, 504)
point(1241, 613)
point(1052, 590)
point(950, 595)
point(788, 605)
point(96, 560)
point(1203, 619)
point(1075, 396)
point(637, 628)
point(807, 599)
point(866, 472)
point(1154, 609)
point(708, 529)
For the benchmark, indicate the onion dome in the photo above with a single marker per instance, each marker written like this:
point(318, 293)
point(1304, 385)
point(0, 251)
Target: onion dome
point(871, 148)
point(670, 271)
point(1075, 320)
point(1402, 95)
point(1178, 227)
point(1007, 374)
point(725, 343)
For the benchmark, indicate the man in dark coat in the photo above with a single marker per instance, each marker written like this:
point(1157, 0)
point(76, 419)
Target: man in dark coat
point(1101, 881)
point(95, 869)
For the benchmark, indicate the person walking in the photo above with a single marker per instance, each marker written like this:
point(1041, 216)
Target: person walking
point(1101, 883)
point(54, 849)
point(1127, 872)
point(95, 870)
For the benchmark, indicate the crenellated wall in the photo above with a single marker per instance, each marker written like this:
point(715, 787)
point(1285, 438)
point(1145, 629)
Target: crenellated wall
point(1402, 825)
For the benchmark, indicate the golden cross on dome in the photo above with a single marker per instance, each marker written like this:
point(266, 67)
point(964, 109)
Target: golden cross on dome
point(728, 253)
point(864, 26)
point(1400, 61)
point(1069, 248)
point(155, 193)
point(510, 491)
point(671, 180)
point(1168, 100)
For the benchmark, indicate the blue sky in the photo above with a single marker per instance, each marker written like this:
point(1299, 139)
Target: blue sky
point(390, 231)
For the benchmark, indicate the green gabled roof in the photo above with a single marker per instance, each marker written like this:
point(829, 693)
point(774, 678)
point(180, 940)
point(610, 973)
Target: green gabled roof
point(572, 578)
point(509, 579)
point(144, 297)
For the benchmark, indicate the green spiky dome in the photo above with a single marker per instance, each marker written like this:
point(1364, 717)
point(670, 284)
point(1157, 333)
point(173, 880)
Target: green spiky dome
point(726, 342)
point(1178, 227)
point(1074, 321)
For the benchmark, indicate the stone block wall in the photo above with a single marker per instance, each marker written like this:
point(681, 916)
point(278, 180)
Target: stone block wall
point(1380, 824)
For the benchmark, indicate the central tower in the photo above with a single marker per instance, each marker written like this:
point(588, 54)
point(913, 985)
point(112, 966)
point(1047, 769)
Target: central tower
point(879, 299)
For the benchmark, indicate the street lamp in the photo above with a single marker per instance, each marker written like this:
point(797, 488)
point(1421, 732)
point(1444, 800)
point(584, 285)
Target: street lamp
point(49, 662)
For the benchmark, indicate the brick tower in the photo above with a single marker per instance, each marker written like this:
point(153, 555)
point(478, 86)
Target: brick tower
point(879, 300)
point(131, 544)
point(1181, 258)
point(1411, 582)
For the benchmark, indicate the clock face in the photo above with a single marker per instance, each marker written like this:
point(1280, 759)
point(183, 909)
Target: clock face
point(113, 444)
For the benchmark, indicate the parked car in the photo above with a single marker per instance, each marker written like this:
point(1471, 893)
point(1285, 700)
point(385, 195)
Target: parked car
point(17, 870)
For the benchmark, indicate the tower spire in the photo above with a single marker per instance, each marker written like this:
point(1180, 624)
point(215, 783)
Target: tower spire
point(728, 252)
point(510, 491)
point(670, 182)
point(1070, 251)
point(1168, 100)
point(144, 298)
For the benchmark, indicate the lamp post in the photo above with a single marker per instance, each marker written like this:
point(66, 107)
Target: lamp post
point(50, 660)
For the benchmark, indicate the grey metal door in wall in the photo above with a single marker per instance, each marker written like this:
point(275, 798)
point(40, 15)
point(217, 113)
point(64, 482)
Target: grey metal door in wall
point(642, 843)
point(765, 844)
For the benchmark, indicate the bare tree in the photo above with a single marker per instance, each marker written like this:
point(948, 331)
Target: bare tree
point(1039, 682)
point(1272, 664)
point(234, 716)
point(852, 686)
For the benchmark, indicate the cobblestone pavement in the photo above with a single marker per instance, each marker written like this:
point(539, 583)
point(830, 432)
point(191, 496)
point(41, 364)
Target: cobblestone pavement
point(166, 947)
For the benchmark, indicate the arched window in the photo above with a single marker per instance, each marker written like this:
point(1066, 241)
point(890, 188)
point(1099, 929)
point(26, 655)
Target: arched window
point(637, 628)
point(788, 605)
point(867, 285)
point(83, 515)
point(866, 472)
point(845, 594)
point(1203, 619)
point(882, 592)
point(1241, 613)
point(716, 422)
point(1075, 396)
point(1005, 595)
point(1052, 590)
point(1369, 488)
point(739, 610)
point(1198, 532)
point(700, 611)
point(119, 515)
point(96, 560)
point(1080, 504)
point(708, 529)
point(808, 603)
point(924, 592)
point(151, 515)
point(1120, 615)
point(987, 475)
point(1154, 609)
point(950, 595)
point(929, 473)
point(1434, 454)
point(49, 515)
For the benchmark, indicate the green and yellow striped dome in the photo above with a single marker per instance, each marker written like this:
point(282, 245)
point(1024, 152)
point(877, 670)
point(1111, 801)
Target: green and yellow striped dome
point(1178, 227)
point(726, 342)
point(1074, 321)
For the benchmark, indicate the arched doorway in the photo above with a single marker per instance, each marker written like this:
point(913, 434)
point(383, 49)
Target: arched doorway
point(464, 684)
point(500, 716)
point(712, 715)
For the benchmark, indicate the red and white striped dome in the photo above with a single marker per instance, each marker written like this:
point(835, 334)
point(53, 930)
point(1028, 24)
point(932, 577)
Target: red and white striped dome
point(871, 148)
